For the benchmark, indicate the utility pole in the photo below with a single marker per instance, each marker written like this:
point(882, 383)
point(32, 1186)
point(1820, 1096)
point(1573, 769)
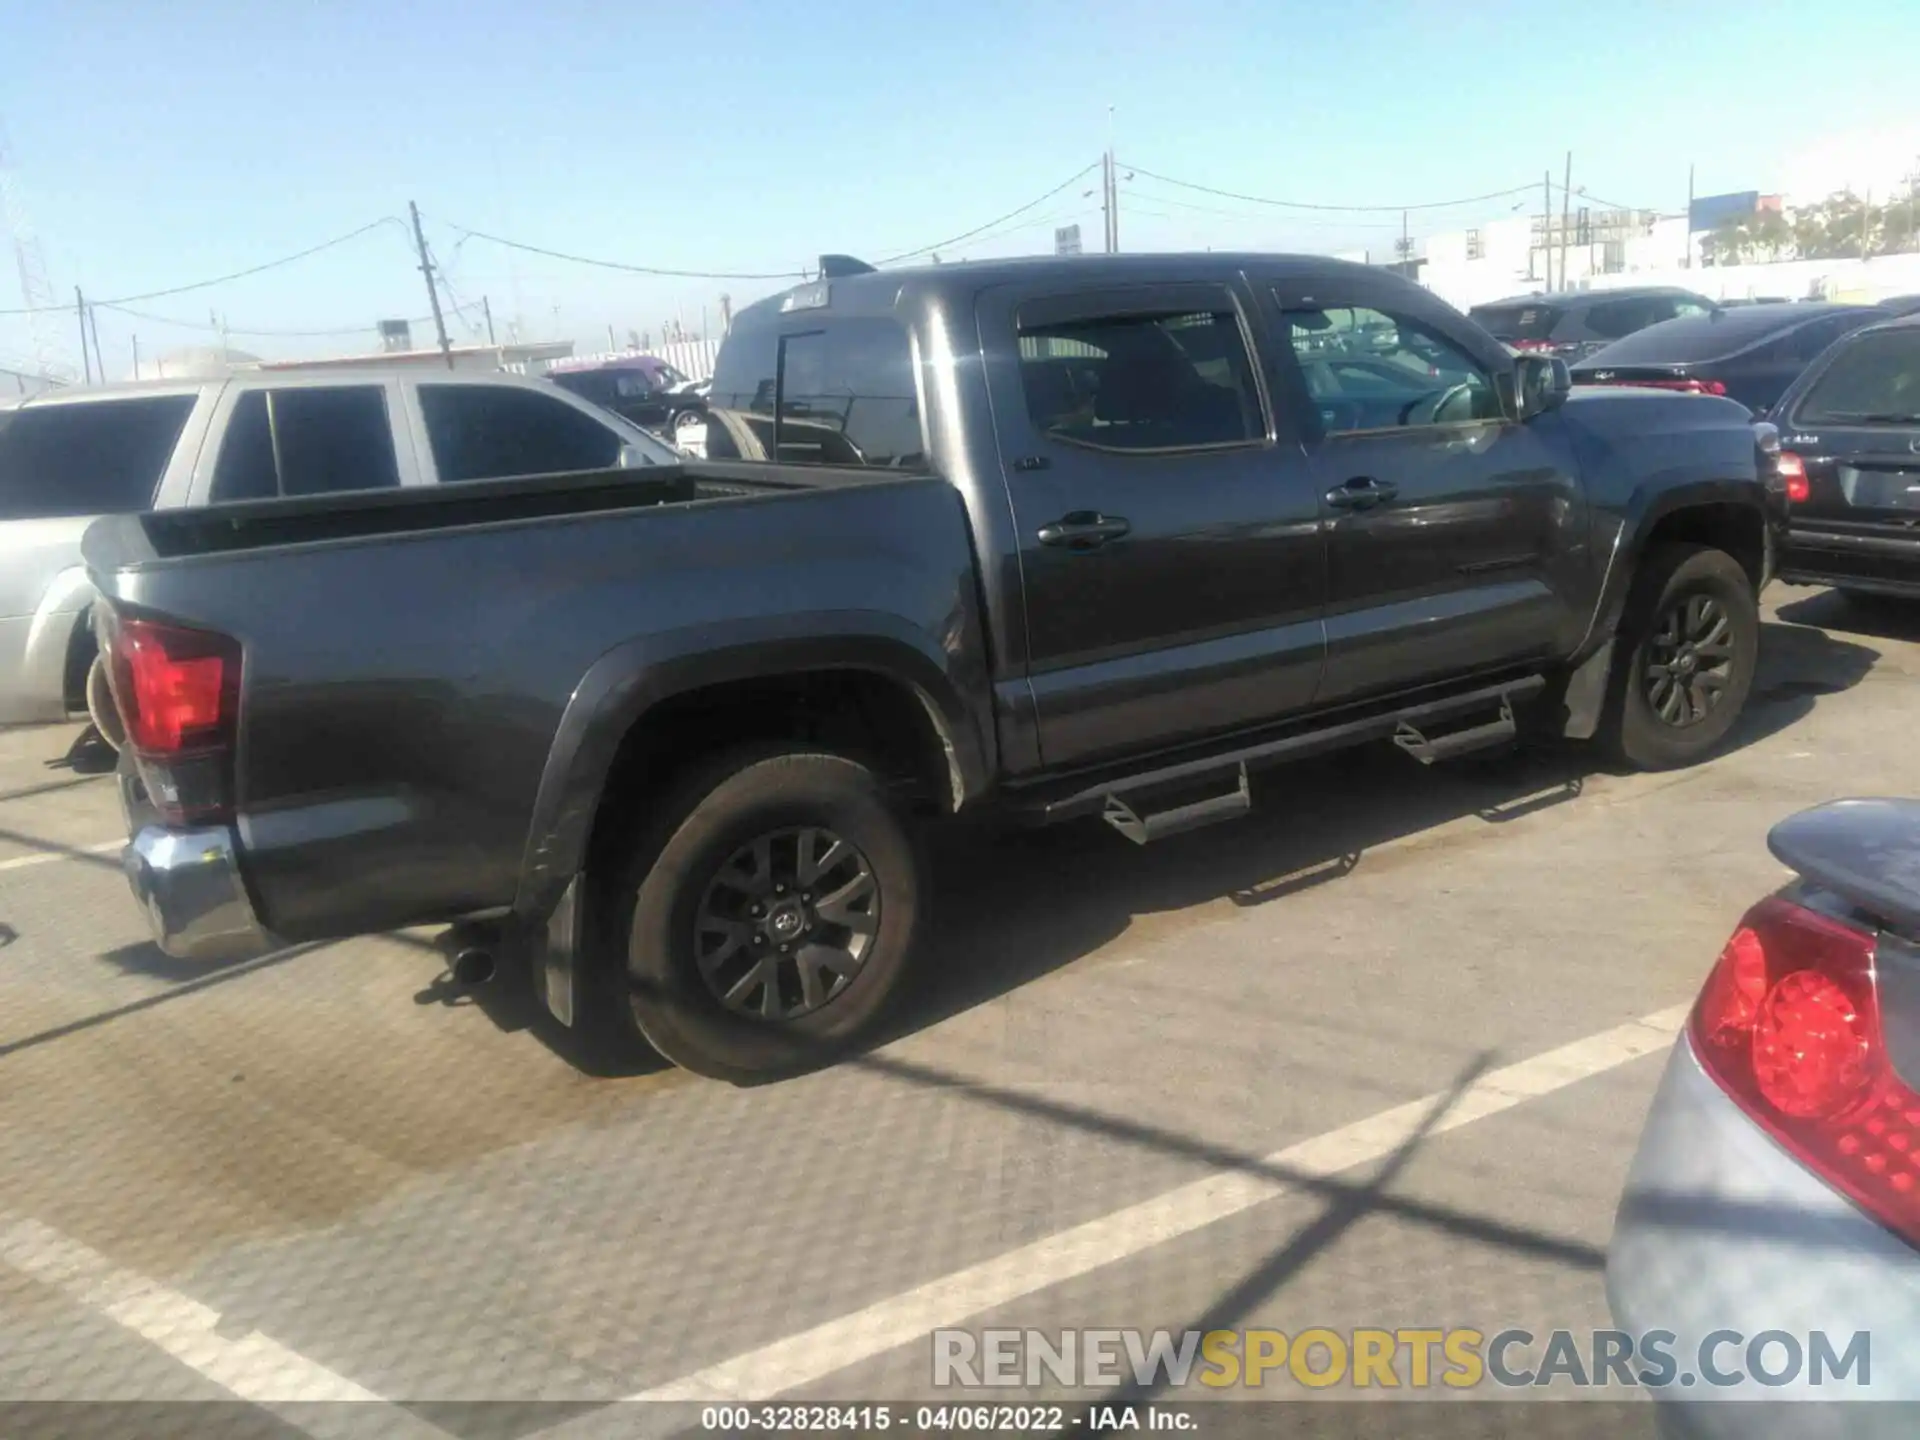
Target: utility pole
point(486, 309)
point(1113, 191)
point(80, 309)
point(1406, 248)
point(1106, 202)
point(433, 291)
point(99, 355)
point(1689, 264)
point(1546, 228)
point(1566, 217)
point(136, 357)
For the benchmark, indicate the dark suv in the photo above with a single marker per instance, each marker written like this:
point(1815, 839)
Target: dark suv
point(1850, 431)
point(1574, 325)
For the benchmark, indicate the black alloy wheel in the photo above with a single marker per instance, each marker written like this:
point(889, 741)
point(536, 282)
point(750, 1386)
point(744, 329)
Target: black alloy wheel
point(786, 924)
point(1689, 660)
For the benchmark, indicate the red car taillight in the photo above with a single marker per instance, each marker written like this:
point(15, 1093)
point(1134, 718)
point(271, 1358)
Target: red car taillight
point(1534, 345)
point(1788, 1025)
point(1684, 387)
point(177, 691)
point(1793, 470)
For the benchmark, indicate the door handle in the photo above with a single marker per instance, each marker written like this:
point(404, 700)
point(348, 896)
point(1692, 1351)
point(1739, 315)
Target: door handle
point(1362, 493)
point(1084, 530)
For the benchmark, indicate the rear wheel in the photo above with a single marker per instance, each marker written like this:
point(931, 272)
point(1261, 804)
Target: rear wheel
point(769, 917)
point(100, 707)
point(1689, 643)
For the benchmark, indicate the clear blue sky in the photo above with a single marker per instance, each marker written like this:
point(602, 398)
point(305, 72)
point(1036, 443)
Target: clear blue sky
point(156, 145)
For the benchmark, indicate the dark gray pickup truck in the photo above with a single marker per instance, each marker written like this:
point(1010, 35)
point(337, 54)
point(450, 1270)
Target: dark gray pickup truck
point(1050, 538)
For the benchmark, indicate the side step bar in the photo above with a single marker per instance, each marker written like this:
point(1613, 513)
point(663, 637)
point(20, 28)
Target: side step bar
point(1106, 796)
point(1144, 829)
point(1458, 742)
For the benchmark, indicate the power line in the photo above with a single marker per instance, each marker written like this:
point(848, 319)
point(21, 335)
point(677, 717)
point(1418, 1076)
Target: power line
point(1335, 209)
point(1038, 200)
point(467, 233)
point(1158, 199)
point(240, 274)
point(235, 330)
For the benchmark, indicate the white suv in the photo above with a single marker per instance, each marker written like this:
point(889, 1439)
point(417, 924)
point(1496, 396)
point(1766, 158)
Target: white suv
point(68, 457)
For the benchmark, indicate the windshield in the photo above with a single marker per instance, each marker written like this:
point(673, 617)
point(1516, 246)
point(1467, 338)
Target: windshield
point(1874, 380)
point(101, 458)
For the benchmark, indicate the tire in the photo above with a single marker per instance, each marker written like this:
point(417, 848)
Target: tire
point(670, 903)
point(1695, 606)
point(100, 707)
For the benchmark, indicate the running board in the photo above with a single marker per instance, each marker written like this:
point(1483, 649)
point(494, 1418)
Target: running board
point(1144, 829)
point(1066, 799)
point(1498, 731)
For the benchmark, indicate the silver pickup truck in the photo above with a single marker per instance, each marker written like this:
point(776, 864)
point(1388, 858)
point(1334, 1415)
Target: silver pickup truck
point(67, 458)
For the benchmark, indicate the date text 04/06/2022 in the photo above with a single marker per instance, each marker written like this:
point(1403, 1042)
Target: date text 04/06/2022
point(941, 1419)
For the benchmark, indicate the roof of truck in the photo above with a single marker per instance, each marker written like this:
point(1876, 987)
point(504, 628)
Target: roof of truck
point(875, 288)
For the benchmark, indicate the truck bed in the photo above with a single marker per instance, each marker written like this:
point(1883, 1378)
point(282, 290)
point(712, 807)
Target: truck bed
point(409, 656)
point(158, 535)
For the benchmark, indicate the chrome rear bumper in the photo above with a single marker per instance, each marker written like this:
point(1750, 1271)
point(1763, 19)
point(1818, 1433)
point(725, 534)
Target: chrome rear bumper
point(187, 882)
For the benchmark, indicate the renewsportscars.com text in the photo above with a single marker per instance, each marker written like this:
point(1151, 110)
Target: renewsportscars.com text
point(1460, 1358)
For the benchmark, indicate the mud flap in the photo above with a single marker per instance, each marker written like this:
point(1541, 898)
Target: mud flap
point(1585, 696)
point(556, 964)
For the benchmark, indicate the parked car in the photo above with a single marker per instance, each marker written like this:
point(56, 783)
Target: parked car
point(67, 456)
point(1776, 1188)
point(646, 390)
point(1035, 539)
point(1850, 429)
point(1576, 323)
point(1750, 354)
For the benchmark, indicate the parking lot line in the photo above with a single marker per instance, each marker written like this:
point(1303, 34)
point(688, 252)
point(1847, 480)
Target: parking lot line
point(47, 857)
point(785, 1365)
point(253, 1367)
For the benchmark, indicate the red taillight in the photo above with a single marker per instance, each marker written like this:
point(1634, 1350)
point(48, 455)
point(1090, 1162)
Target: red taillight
point(1684, 387)
point(1532, 344)
point(174, 686)
point(1794, 471)
point(1789, 1026)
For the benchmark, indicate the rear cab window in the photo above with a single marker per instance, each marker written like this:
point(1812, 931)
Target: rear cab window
point(818, 390)
point(1873, 381)
point(99, 457)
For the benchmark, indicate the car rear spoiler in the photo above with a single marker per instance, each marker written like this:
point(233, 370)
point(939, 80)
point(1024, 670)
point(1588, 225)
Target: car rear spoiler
point(1865, 851)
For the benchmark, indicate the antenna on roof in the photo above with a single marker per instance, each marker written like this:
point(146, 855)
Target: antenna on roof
point(833, 267)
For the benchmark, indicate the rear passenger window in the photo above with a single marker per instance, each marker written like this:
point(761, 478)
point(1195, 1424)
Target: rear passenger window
point(1141, 382)
point(306, 441)
point(490, 432)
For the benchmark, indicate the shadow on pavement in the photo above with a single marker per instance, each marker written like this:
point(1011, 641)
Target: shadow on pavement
point(1878, 617)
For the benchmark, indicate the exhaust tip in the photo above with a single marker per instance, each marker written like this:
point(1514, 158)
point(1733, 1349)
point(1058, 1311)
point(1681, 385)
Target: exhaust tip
point(473, 966)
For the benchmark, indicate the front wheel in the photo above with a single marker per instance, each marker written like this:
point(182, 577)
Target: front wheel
point(1689, 643)
point(771, 918)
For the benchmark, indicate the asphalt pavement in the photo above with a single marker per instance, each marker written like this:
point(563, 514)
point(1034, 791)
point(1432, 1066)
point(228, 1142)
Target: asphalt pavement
point(1376, 1055)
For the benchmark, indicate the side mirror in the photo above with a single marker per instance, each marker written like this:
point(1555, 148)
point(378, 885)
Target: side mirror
point(1540, 383)
point(632, 457)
